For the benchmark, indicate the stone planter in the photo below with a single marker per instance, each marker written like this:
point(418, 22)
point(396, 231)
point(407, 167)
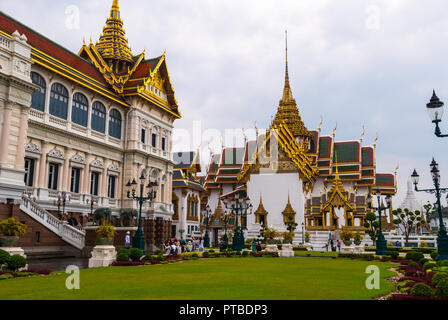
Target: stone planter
point(347, 242)
point(106, 241)
point(9, 241)
point(271, 241)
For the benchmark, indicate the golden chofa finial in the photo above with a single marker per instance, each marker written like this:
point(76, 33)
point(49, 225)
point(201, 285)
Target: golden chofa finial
point(320, 123)
point(374, 142)
point(334, 130)
point(362, 134)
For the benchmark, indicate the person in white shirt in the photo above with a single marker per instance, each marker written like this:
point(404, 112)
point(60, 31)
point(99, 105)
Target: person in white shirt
point(127, 240)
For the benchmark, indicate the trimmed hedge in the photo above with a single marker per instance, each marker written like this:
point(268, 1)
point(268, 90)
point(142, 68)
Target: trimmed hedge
point(439, 276)
point(422, 290)
point(442, 288)
point(4, 257)
point(16, 262)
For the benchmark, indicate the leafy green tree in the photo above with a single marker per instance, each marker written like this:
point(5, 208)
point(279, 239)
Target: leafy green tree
point(406, 221)
point(430, 209)
point(290, 224)
point(372, 224)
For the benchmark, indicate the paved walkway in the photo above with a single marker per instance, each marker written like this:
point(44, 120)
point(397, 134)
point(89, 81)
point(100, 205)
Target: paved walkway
point(57, 264)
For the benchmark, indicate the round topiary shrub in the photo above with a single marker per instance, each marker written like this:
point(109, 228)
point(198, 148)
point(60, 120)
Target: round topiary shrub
point(393, 254)
point(434, 255)
point(135, 254)
point(245, 253)
point(413, 264)
point(211, 251)
point(423, 261)
point(206, 254)
point(195, 255)
point(4, 257)
point(158, 252)
point(16, 262)
point(429, 265)
point(439, 276)
point(442, 288)
point(416, 256)
point(422, 290)
point(122, 256)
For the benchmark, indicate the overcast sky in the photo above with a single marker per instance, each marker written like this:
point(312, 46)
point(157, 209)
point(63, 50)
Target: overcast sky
point(355, 63)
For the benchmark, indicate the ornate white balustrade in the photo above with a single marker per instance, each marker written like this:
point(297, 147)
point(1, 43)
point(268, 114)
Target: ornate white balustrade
point(72, 235)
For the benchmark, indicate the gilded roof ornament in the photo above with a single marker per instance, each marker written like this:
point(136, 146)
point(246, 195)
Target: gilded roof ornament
point(287, 111)
point(261, 210)
point(288, 211)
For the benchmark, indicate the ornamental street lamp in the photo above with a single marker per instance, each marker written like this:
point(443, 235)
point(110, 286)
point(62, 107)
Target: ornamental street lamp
point(435, 112)
point(442, 237)
point(225, 219)
point(62, 199)
point(207, 216)
point(92, 201)
point(239, 207)
point(138, 241)
point(381, 243)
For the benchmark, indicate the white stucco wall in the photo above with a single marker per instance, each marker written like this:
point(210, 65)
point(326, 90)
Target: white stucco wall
point(274, 189)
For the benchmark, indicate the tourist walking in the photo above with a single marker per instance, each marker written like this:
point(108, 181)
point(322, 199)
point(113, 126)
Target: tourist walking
point(254, 246)
point(339, 245)
point(201, 245)
point(127, 240)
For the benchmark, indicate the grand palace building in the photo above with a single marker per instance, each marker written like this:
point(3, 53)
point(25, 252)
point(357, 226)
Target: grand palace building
point(76, 128)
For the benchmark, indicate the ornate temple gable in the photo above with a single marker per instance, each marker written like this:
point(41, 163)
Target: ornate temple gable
point(111, 55)
point(337, 196)
point(291, 156)
point(151, 81)
point(211, 172)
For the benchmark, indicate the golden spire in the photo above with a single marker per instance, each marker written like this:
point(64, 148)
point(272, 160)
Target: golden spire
point(113, 45)
point(288, 112)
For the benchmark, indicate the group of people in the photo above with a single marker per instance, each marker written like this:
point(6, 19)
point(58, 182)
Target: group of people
point(176, 246)
point(330, 245)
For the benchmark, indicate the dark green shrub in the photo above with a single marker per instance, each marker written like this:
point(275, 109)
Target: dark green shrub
point(4, 257)
point(237, 253)
point(442, 288)
point(135, 254)
point(443, 263)
point(195, 255)
point(158, 252)
point(122, 256)
point(434, 255)
point(439, 276)
point(206, 254)
point(413, 264)
point(211, 251)
point(429, 265)
point(123, 251)
point(393, 254)
point(422, 290)
point(424, 260)
point(416, 256)
point(16, 262)
point(245, 253)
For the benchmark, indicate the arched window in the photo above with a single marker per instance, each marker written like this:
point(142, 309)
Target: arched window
point(79, 109)
point(59, 101)
point(98, 117)
point(38, 97)
point(115, 124)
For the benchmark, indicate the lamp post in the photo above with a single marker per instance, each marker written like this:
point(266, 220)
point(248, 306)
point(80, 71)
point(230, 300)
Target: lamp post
point(62, 199)
point(303, 233)
point(442, 237)
point(138, 240)
point(240, 207)
point(381, 243)
point(226, 219)
point(207, 216)
point(92, 201)
point(435, 112)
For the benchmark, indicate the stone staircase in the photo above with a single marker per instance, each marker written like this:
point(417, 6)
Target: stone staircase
point(73, 236)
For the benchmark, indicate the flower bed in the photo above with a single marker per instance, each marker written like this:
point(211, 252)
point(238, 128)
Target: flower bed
point(127, 263)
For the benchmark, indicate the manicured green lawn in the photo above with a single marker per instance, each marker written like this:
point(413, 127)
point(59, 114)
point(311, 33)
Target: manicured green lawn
point(298, 253)
point(218, 278)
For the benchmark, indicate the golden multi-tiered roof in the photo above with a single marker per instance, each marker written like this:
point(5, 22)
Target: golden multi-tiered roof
point(288, 112)
point(113, 44)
